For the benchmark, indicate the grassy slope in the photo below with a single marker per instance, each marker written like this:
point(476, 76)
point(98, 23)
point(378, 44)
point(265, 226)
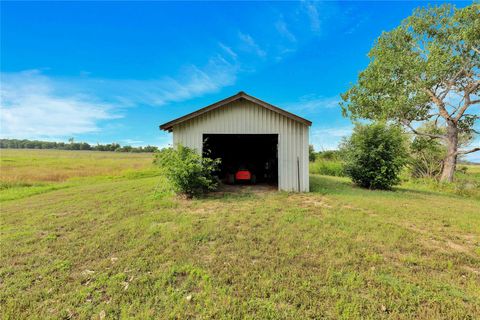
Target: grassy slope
point(114, 246)
point(28, 172)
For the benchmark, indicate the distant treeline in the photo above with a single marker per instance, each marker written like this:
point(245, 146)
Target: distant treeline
point(71, 145)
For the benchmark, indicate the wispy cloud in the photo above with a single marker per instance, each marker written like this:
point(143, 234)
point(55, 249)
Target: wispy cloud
point(31, 107)
point(282, 28)
point(283, 33)
point(133, 142)
point(313, 15)
point(228, 50)
point(313, 104)
point(329, 138)
point(34, 105)
point(357, 24)
point(249, 44)
point(192, 81)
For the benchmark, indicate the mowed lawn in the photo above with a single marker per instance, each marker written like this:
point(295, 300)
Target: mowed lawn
point(123, 246)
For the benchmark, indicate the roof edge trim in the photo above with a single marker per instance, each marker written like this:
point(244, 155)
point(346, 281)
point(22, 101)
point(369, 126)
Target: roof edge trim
point(241, 95)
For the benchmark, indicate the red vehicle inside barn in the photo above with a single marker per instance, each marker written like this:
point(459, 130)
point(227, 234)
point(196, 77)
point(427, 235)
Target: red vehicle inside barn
point(245, 175)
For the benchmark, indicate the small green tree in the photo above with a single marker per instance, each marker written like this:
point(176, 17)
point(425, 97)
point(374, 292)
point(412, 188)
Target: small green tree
point(374, 155)
point(189, 172)
point(311, 153)
point(426, 158)
point(427, 69)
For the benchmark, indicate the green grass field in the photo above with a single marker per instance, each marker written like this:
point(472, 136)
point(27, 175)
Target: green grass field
point(116, 243)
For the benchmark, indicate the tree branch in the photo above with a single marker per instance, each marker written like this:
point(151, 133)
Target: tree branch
point(468, 151)
point(467, 102)
point(430, 135)
point(450, 84)
point(441, 106)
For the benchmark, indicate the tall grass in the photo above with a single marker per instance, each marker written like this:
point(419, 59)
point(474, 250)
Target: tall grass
point(19, 166)
point(466, 183)
point(327, 168)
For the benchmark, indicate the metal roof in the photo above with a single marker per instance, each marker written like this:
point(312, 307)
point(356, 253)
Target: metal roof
point(241, 95)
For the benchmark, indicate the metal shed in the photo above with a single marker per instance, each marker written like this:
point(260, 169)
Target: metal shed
point(242, 126)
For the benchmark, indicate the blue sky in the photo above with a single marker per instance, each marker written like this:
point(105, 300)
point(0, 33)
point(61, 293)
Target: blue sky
point(112, 72)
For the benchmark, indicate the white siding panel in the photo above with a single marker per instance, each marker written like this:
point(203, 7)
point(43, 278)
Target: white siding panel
point(242, 117)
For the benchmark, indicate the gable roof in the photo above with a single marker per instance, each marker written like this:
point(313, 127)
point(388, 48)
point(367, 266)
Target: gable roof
point(241, 95)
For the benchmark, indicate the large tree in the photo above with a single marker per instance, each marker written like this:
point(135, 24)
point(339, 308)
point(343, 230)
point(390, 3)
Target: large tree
point(427, 69)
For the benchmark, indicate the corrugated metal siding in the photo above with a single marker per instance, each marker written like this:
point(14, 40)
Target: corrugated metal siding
point(245, 117)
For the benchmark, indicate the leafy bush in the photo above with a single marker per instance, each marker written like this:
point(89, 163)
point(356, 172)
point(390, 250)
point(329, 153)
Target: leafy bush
point(311, 153)
point(189, 172)
point(374, 155)
point(327, 167)
point(330, 155)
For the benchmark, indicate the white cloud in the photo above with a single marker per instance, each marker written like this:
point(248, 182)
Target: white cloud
point(31, 108)
point(314, 104)
point(132, 142)
point(192, 81)
point(251, 45)
point(228, 50)
point(282, 28)
point(328, 138)
point(313, 15)
point(34, 105)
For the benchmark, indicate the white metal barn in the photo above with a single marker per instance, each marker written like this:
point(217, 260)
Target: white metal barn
point(247, 132)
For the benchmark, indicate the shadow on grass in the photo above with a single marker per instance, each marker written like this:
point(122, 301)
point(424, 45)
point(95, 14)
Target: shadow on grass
point(343, 186)
point(331, 185)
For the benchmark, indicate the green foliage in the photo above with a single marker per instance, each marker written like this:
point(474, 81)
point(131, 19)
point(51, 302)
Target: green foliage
point(374, 155)
point(330, 155)
point(328, 163)
point(426, 154)
point(425, 69)
point(189, 172)
point(434, 47)
point(327, 167)
point(71, 145)
point(426, 157)
point(311, 153)
point(465, 184)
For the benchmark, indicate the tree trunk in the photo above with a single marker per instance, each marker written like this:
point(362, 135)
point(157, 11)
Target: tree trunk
point(450, 161)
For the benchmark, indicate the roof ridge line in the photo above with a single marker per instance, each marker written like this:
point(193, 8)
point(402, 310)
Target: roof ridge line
point(241, 94)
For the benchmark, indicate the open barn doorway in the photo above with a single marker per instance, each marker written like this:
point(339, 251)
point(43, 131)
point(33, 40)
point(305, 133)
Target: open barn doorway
point(246, 158)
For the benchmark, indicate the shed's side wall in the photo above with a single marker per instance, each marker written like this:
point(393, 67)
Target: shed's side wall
point(245, 117)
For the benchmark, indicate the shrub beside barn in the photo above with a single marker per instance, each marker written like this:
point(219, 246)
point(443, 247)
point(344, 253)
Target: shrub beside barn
point(248, 133)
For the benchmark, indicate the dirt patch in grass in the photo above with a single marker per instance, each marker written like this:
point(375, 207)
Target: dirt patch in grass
point(234, 189)
point(472, 270)
point(306, 200)
point(447, 245)
point(118, 248)
point(458, 247)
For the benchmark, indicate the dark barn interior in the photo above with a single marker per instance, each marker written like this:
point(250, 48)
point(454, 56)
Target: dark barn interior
point(254, 152)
